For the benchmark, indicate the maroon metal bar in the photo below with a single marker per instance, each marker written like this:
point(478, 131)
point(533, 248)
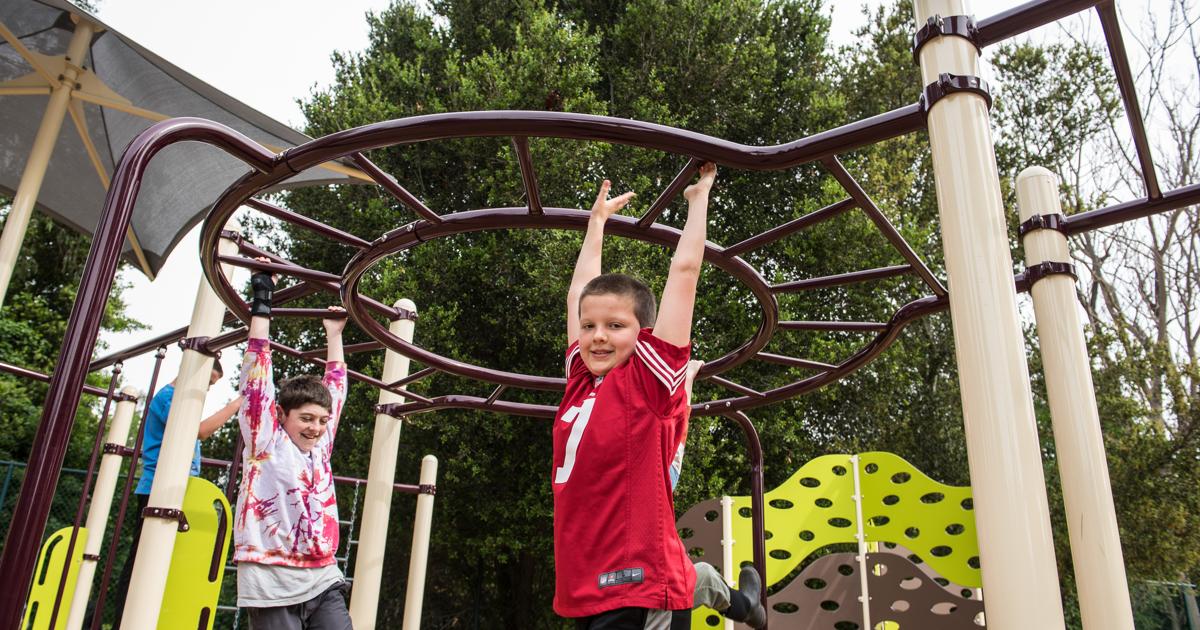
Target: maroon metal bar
point(496, 394)
point(741, 389)
point(842, 279)
point(793, 361)
point(38, 376)
point(528, 176)
point(671, 192)
point(1027, 17)
point(84, 494)
point(539, 124)
point(758, 507)
point(791, 227)
point(295, 271)
point(389, 183)
point(889, 231)
point(282, 296)
point(835, 326)
point(49, 445)
point(366, 346)
point(399, 410)
point(1132, 210)
point(358, 376)
point(1133, 111)
point(414, 377)
point(312, 225)
point(308, 313)
point(333, 287)
point(126, 488)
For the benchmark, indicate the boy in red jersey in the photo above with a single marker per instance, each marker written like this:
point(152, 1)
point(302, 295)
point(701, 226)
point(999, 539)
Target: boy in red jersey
point(619, 563)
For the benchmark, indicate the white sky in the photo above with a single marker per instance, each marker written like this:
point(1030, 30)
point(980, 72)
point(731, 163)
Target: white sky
point(231, 46)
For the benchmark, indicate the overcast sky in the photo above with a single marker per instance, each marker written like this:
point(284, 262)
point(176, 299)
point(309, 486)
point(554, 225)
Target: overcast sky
point(232, 45)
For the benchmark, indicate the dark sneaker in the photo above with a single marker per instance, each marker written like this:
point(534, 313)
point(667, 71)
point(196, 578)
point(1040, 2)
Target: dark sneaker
point(751, 587)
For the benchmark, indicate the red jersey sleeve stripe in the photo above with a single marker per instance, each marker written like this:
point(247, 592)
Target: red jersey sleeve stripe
point(572, 352)
point(670, 379)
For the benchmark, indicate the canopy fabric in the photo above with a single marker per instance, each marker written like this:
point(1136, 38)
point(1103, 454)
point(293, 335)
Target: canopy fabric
point(125, 88)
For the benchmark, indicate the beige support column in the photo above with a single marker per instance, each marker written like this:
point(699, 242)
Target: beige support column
point(1087, 493)
point(1011, 509)
point(422, 524)
point(377, 506)
point(97, 519)
point(727, 546)
point(39, 155)
point(146, 587)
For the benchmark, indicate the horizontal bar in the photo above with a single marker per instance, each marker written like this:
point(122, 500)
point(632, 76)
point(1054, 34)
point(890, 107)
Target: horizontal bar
point(366, 346)
point(295, 271)
point(1027, 17)
point(842, 279)
point(414, 377)
point(393, 187)
point(792, 361)
point(358, 376)
point(741, 389)
point(835, 326)
point(283, 296)
point(1132, 210)
point(795, 225)
point(32, 375)
point(294, 218)
point(670, 192)
point(308, 313)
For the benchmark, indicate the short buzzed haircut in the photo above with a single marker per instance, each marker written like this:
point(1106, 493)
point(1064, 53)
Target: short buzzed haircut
point(645, 307)
point(217, 368)
point(301, 390)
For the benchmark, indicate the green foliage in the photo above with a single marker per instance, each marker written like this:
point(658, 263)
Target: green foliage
point(32, 323)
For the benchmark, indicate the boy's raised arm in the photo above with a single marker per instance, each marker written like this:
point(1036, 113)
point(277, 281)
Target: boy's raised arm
point(333, 335)
point(588, 265)
point(674, 323)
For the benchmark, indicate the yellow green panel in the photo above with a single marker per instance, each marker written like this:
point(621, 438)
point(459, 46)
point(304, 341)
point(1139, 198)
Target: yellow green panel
point(46, 577)
point(798, 520)
point(915, 509)
point(902, 505)
point(198, 561)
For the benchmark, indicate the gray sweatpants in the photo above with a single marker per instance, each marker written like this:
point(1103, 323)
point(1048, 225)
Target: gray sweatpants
point(326, 611)
point(711, 589)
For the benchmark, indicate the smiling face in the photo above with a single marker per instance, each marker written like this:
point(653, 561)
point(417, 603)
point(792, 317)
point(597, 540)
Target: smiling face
point(306, 424)
point(608, 331)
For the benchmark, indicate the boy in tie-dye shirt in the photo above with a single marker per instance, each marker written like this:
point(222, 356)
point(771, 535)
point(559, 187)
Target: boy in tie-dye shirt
point(286, 523)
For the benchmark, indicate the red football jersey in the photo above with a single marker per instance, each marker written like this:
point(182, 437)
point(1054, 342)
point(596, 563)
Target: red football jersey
point(615, 543)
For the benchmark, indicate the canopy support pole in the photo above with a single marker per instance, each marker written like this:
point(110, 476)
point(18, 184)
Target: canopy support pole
point(39, 155)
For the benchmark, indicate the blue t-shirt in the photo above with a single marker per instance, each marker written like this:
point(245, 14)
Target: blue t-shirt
point(156, 423)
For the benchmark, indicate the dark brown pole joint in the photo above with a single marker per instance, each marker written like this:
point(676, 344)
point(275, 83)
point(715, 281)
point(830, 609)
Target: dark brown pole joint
point(951, 83)
point(958, 25)
point(168, 514)
point(199, 344)
point(1041, 270)
point(427, 488)
point(403, 313)
point(112, 448)
point(1055, 221)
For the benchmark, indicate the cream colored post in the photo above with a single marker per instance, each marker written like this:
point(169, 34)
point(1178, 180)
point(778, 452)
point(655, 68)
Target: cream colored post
point(417, 560)
point(149, 579)
point(1012, 514)
point(727, 546)
point(97, 519)
point(1087, 493)
point(39, 155)
point(377, 506)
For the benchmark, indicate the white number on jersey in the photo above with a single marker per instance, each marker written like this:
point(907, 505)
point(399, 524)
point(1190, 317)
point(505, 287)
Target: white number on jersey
point(578, 418)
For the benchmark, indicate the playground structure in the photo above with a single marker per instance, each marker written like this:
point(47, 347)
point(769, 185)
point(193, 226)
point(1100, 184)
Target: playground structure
point(1016, 555)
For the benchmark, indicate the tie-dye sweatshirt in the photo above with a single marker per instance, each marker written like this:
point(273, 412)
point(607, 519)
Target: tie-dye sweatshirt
point(286, 509)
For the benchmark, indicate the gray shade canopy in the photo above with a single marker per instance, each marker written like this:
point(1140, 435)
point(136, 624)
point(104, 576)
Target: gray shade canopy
point(123, 90)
